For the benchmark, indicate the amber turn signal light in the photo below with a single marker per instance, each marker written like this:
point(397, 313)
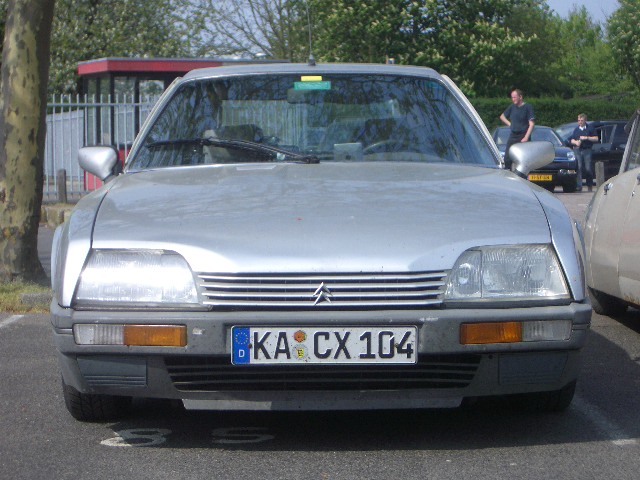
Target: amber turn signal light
point(155, 335)
point(492, 332)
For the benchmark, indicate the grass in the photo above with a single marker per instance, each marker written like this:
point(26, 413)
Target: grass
point(17, 297)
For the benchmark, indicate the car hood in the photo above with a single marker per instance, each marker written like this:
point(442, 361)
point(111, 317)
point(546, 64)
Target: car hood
point(328, 217)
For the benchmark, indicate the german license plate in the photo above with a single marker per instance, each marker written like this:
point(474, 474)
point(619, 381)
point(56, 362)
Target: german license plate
point(318, 345)
point(540, 178)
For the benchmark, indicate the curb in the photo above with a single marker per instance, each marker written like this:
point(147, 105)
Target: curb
point(36, 299)
point(55, 214)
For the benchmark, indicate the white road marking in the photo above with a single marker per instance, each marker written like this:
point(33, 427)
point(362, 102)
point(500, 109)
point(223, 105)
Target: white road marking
point(614, 433)
point(10, 320)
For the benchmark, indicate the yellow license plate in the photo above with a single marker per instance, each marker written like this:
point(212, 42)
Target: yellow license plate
point(541, 178)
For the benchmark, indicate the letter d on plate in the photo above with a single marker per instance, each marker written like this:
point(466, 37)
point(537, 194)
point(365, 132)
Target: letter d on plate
point(241, 341)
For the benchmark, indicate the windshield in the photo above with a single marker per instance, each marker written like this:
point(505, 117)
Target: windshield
point(546, 135)
point(338, 117)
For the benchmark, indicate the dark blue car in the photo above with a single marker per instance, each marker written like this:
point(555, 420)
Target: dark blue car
point(561, 172)
point(610, 147)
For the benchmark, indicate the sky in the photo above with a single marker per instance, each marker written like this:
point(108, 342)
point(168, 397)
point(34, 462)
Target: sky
point(598, 9)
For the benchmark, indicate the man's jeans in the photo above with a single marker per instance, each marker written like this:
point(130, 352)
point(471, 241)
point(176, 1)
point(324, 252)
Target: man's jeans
point(585, 169)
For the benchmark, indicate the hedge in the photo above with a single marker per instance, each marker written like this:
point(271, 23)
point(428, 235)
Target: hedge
point(556, 111)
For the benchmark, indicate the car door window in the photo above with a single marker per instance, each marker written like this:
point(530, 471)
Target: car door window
point(620, 137)
point(633, 160)
point(604, 133)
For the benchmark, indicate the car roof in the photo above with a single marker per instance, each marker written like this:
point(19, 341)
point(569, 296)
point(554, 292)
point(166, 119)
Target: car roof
point(306, 69)
point(596, 123)
point(536, 126)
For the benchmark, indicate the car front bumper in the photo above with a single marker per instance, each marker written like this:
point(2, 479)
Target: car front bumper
point(201, 374)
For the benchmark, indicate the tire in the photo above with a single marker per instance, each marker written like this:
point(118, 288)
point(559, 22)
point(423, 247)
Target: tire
point(606, 304)
point(544, 402)
point(569, 188)
point(88, 407)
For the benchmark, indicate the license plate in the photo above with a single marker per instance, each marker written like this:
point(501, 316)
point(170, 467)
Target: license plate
point(318, 345)
point(541, 178)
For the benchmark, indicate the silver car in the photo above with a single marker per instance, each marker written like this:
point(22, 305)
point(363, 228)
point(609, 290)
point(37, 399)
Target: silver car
point(312, 237)
point(612, 234)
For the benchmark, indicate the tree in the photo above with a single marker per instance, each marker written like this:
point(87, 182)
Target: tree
point(624, 37)
point(585, 65)
point(85, 30)
point(486, 46)
point(370, 31)
point(251, 28)
point(25, 66)
point(534, 69)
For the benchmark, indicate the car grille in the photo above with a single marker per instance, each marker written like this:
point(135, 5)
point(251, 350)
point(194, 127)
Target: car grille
point(327, 291)
point(200, 374)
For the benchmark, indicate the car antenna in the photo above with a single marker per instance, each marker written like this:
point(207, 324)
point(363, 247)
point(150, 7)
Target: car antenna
point(312, 60)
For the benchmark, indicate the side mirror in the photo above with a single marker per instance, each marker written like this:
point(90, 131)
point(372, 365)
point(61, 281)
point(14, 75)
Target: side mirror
point(531, 156)
point(99, 161)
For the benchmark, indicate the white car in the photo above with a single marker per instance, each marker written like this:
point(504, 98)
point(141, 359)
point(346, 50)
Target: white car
point(612, 234)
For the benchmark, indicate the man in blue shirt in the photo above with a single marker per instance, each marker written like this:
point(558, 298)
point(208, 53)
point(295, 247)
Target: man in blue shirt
point(582, 139)
point(520, 118)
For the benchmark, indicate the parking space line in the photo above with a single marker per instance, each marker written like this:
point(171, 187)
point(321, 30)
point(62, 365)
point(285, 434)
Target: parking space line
point(615, 434)
point(10, 320)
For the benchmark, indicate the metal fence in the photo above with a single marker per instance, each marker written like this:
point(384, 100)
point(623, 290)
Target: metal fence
point(77, 121)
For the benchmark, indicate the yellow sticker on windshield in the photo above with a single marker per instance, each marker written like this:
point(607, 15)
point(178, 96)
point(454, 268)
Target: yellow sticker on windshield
point(311, 78)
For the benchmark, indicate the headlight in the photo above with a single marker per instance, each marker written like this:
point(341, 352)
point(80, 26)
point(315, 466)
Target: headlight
point(136, 278)
point(518, 272)
point(571, 156)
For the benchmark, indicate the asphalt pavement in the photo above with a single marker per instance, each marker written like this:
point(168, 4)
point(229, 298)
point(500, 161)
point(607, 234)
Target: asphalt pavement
point(576, 203)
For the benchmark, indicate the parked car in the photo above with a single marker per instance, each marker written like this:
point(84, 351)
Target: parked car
point(612, 235)
point(610, 148)
point(243, 261)
point(561, 172)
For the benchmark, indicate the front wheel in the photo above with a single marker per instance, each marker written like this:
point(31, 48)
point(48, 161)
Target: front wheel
point(88, 407)
point(605, 304)
point(546, 402)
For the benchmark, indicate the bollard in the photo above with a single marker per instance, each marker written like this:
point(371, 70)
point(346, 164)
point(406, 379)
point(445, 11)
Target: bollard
point(61, 180)
point(599, 174)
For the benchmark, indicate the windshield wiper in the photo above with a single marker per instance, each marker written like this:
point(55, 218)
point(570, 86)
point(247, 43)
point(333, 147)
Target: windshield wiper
point(281, 154)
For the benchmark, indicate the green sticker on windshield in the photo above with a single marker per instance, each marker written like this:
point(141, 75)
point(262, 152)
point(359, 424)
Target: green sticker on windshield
point(325, 85)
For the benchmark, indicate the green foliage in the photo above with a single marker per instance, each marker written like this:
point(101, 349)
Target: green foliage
point(3, 19)
point(624, 37)
point(86, 30)
point(587, 64)
point(486, 46)
point(24, 297)
point(348, 31)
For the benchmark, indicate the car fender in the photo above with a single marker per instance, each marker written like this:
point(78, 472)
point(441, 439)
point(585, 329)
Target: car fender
point(567, 240)
point(71, 245)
